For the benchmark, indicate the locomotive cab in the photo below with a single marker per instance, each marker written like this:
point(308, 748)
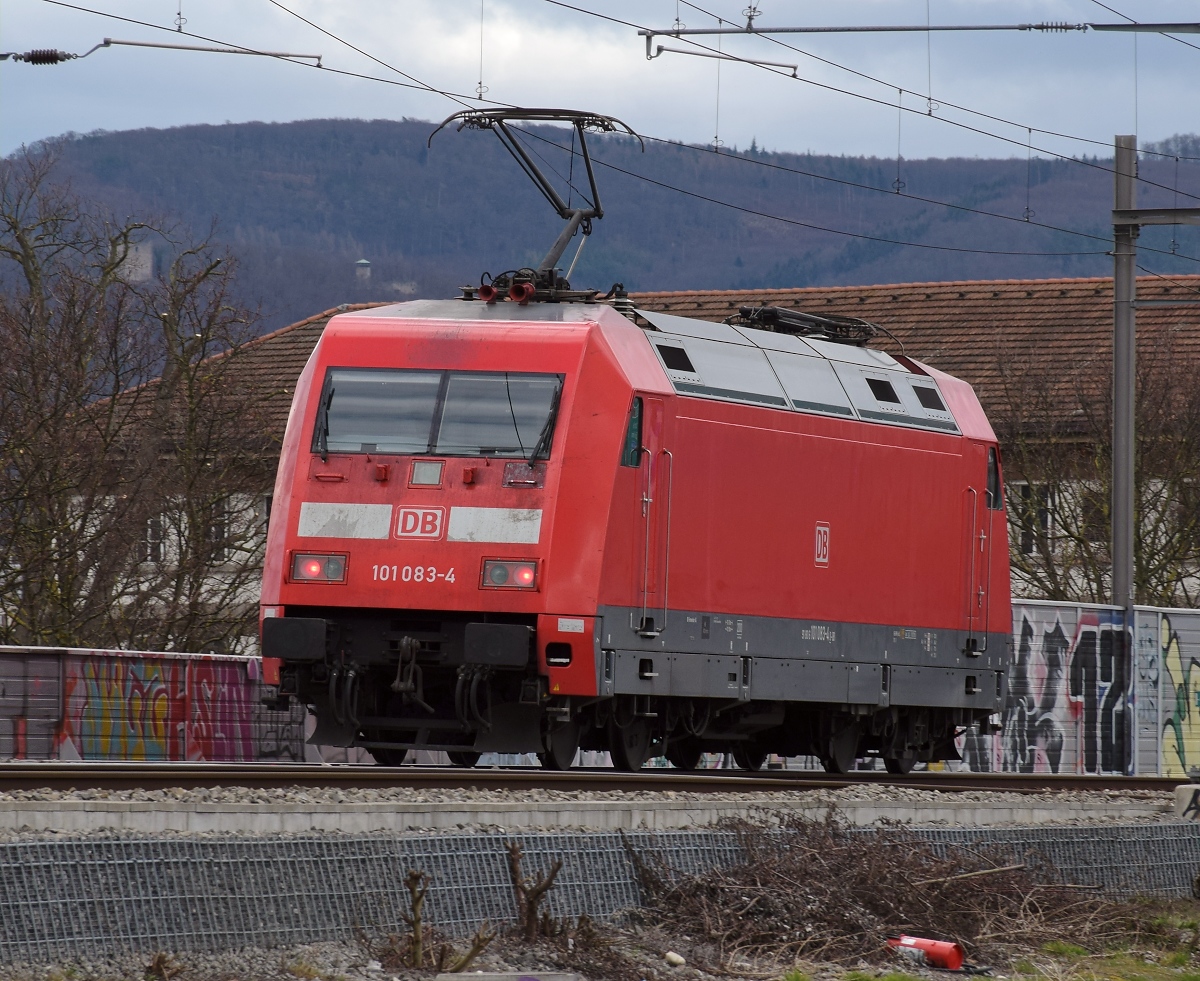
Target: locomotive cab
point(435, 580)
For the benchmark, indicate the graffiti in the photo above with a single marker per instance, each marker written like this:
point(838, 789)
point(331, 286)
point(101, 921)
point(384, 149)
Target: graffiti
point(221, 722)
point(281, 735)
point(1148, 701)
point(1180, 701)
point(1098, 690)
point(1068, 705)
point(121, 708)
point(1032, 735)
point(113, 705)
point(1192, 811)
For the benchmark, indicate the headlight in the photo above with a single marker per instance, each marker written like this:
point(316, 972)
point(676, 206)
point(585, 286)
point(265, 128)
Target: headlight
point(509, 574)
point(307, 567)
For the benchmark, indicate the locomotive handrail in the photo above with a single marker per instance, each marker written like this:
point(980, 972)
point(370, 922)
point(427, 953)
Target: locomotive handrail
point(987, 609)
point(647, 500)
point(971, 600)
point(667, 551)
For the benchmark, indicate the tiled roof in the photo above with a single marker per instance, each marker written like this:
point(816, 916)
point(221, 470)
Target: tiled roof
point(273, 362)
point(974, 330)
point(978, 331)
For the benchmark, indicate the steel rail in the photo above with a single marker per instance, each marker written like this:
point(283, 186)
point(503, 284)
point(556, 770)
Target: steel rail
point(27, 776)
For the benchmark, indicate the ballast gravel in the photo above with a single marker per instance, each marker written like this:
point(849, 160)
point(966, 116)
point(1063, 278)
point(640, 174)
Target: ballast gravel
point(871, 793)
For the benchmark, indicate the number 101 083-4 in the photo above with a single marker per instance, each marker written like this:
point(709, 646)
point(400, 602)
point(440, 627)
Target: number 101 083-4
point(411, 573)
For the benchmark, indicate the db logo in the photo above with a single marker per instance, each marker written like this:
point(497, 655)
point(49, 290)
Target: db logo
point(420, 522)
point(822, 552)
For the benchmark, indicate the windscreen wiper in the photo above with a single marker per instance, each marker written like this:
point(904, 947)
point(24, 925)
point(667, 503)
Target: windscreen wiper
point(323, 426)
point(543, 441)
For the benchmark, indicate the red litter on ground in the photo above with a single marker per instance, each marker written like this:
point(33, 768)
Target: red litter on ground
point(935, 953)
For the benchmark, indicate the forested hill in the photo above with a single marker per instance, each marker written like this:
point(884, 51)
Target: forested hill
point(300, 203)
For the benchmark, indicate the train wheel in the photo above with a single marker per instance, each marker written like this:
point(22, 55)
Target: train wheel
point(465, 759)
point(900, 765)
point(389, 757)
point(842, 752)
point(748, 757)
point(684, 754)
point(629, 747)
point(561, 745)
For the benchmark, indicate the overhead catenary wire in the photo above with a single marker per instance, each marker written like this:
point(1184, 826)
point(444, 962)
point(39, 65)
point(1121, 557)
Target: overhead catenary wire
point(758, 162)
point(753, 161)
point(942, 103)
point(805, 224)
point(1107, 240)
point(419, 85)
point(416, 84)
point(1167, 279)
point(881, 102)
point(371, 57)
point(832, 231)
point(458, 96)
point(480, 88)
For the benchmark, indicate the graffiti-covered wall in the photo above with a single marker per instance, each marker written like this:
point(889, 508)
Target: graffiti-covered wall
point(1168, 691)
point(1082, 699)
point(120, 705)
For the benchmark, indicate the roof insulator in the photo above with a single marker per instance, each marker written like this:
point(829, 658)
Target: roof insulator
point(621, 301)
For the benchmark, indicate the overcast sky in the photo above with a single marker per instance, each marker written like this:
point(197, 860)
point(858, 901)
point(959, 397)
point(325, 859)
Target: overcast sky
point(537, 53)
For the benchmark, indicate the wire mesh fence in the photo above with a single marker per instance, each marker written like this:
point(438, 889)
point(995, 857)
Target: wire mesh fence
point(95, 896)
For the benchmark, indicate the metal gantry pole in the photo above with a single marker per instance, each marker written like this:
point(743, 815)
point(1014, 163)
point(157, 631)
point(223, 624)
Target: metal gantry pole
point(1124, 374)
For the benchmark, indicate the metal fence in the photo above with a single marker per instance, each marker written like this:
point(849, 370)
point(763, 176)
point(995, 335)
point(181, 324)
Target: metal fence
point(90, 897)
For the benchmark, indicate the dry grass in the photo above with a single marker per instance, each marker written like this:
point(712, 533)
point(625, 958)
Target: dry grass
point(813, 892)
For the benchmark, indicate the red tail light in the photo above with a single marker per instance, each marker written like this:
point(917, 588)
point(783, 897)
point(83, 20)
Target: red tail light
point(509, 574)
point(307, 567)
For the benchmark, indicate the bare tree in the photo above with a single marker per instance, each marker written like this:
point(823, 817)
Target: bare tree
point(1055, 426)
point(131, 461)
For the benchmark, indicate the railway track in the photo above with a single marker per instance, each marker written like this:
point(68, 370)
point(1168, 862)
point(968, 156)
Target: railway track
point(157, 776)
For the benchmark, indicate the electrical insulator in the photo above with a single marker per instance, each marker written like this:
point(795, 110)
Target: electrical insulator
point(621, 302)
point(44, 56)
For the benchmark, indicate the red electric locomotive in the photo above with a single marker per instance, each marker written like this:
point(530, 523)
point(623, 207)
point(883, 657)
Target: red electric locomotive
point(534, 525)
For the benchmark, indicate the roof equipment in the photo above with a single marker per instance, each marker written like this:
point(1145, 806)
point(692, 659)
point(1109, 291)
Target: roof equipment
point(545, 282)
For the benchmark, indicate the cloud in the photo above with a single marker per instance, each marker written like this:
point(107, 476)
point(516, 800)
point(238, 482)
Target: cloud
point(538, 53)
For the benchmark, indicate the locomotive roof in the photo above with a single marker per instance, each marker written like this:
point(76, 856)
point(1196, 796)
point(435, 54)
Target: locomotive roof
point(588, 313)
point(738, 363)
point(563, 313)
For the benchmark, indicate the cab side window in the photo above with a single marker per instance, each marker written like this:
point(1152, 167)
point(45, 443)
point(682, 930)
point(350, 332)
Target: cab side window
point(995, 490)
point(631, 453)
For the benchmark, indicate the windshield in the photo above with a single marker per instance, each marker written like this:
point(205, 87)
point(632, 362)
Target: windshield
point(452, 413)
